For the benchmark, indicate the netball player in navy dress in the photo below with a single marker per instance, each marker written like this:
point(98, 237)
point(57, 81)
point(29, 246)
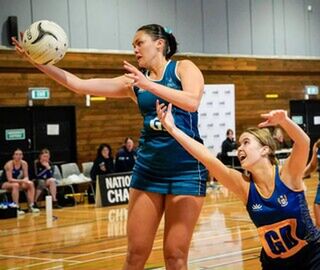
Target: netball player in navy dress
point(274, 196)
point(15, 177)
point(166, 179)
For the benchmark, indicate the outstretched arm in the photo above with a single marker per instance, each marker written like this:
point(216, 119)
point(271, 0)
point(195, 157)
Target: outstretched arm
point(118, 87)
point(294, 166)
point(192, 85)
point(230, 178)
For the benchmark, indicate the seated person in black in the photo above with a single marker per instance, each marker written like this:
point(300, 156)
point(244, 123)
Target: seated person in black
point(126, 156)
point(16, 177)
point(103, 163)
point(44, 175)
point(228, 145)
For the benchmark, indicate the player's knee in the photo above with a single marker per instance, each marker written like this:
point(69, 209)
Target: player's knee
point(51, 182)
point(15, 187)
point(137, 255)
point(175, 258)
point(30, 185)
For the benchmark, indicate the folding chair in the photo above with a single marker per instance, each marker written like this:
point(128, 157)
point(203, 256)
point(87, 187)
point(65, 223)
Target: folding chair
point(86, 168)
point(69, 169)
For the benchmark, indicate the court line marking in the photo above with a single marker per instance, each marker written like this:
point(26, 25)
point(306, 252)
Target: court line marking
point(224, 255)
point(74, 262)
point(158, 247)
point(155, 242)
point(46, 260)
point(194, 261)
point(108, 250)
point(228, 263)
point(120, 254)
point(33, 258)
point(68, 259)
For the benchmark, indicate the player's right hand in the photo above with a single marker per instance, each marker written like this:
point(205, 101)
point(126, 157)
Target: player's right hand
point(18, 45)
point(19, 49)
point(165, 115)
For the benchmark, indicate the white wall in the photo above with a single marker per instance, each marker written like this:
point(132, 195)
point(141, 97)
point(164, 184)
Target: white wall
point(258, 27)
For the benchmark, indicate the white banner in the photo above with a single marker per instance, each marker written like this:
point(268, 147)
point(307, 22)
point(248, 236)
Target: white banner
point(216, 114)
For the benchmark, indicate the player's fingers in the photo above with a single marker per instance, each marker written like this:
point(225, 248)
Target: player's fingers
point(159, 106)
point(20, 50)
point(265, 115)
point(15, 42)
point(129, 67)
point(265, 124)
point(127, 63)
point(131, 77)
point(161, 114)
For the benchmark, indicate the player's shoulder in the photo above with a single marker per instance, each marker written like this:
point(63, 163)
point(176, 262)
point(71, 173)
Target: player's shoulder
point(24, 163)
point(8, 165)
point(186, 64)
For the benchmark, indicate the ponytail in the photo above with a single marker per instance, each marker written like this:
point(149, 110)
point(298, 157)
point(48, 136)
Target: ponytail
point(156, 31)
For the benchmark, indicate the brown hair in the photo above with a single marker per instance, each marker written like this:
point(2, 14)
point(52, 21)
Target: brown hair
point(229, 130)
point(157, 31)
point(44, 151)
point(264, 137)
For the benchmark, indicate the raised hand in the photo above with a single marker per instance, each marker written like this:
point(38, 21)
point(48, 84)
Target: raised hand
point(19, 49)
point(273, 118)
point(17, 45)
point(165, 115)
point(137, 76)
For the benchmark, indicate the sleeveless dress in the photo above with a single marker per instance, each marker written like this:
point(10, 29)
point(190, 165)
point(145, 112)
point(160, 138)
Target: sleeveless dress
point(16, 174)
point(285, 227)
point(162, 164)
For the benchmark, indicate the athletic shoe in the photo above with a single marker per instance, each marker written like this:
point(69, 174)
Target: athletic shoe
point(20, 212)
point(55, 205)
point(13, 205)
point(32, 209)
point(35, 205)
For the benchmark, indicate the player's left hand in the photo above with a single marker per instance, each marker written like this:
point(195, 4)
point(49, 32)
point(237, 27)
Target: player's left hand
point(138, 78)
point(273, 118)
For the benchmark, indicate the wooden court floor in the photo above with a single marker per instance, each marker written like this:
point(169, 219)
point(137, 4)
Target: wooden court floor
point(85, 237)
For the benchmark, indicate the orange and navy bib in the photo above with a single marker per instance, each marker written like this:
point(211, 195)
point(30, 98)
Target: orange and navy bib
point(283, 220)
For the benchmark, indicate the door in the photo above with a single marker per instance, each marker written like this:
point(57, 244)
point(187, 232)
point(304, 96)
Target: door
point(16, 132)
point(306, 113)
point(55, 129)
point(34, 128)
point(298, 113)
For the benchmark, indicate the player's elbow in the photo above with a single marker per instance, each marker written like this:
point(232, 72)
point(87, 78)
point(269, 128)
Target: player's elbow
point(193, 105)
point(78, 85)
point(306, 144)
point(308, 141)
